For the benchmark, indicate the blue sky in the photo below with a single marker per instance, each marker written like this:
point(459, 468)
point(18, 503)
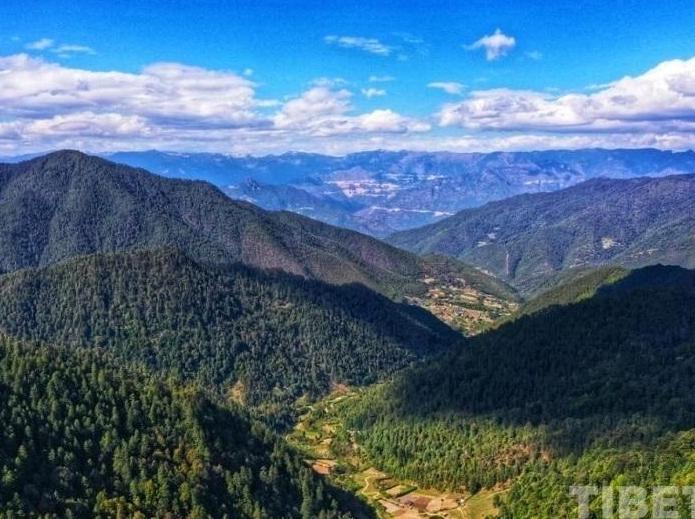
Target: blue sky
point(338, 76)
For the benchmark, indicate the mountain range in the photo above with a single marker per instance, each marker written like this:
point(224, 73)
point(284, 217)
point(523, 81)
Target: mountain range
point(67, 204)
point(381, 192)
point(528, 239)
point(157, 337)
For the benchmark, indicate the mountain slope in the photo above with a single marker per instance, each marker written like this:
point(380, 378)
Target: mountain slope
point(289, 198)
point(528, 239)
point(380, 192)
point(594, 392)
point(572, 286)
point(68, 204)
point(269, 337)
point(84, 437)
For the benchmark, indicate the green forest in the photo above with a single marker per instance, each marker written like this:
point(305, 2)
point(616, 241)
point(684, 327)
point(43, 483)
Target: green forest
point(273, 336)
point(594, 392)
point(85, 437)
point(160, 344)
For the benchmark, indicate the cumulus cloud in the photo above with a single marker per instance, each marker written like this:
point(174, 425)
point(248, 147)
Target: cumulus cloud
point(164, 93)
point(371, 45)
point(373, 92)
point(324, 112)
point(450, 87)
point(660, 100)
point(496, 45)
point(48, 105)
point(317, 103)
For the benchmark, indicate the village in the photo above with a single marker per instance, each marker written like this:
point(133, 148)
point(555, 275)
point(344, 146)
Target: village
point(334, 453)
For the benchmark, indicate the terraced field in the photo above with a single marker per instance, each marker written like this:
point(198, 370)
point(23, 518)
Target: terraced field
point(334, 453)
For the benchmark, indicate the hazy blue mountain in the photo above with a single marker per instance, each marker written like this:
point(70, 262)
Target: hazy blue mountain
point(528, 239)
point(380, 192)
point(275, 197)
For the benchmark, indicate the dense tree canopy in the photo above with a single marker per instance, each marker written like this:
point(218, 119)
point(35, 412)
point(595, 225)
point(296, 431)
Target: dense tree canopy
point(577, 393)
point(85, 437)
point(275, 336)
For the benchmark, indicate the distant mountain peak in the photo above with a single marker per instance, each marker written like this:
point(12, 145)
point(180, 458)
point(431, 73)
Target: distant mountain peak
point(422, 185)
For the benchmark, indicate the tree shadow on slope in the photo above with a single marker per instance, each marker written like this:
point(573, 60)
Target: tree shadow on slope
point(618, 367)
point(272, 331)
point(266, 471)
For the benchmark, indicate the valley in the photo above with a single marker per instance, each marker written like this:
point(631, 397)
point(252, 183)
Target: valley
point(334, 452)
point(69, 204)
point(390, 383)
point(462, 306)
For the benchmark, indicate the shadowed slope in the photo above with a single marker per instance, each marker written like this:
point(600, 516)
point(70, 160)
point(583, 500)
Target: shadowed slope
point(578, 393)
point(277, 336)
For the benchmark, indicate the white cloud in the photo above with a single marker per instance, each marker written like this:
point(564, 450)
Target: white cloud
point(373, 92)
point(330, 82)
point(525, 142)
point(42, 44)
point(323, 112)
point(90, 124)
point(496, 45)
point(314, 105)
point(371, 45)
point(390, 122)
point(659, 101)
point(381, 79)
point(534, 55)
point(66, 51)
point(164, 93)
point(450, 87)
point(47, 105)
point(169, 105)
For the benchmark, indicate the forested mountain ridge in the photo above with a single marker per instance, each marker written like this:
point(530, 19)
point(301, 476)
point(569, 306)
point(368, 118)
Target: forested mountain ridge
point(86, 437)
point(592, 392)
point(572, 286)
point(528, 239)
point(266, 337)
point(67, 204)
point(381, 192)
